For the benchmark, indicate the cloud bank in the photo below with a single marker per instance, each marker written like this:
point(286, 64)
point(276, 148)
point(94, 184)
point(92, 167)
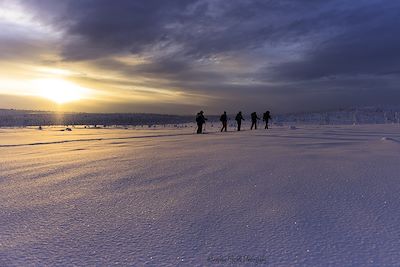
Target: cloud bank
point(211, 54)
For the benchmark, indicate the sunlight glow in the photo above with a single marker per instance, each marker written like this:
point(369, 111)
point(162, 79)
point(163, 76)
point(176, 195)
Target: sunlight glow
point(60, 91)
point(54, 71)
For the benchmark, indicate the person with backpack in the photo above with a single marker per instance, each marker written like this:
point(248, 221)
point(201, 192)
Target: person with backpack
point(254, 119)
point(224, 120)
point(266, 118)
point(239, 119)
point(200, 120)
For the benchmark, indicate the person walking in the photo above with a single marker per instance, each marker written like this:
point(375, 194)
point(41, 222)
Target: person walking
point(266, 118)
point(224, 120)
point(200, 120)
point(254, 119)
point(239, 119)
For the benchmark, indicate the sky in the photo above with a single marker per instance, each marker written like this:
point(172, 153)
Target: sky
point(180, 56)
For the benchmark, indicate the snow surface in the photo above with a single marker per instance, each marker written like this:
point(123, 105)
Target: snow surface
point(319, 196)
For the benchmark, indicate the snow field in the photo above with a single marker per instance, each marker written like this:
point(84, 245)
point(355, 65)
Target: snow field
point(314, 195)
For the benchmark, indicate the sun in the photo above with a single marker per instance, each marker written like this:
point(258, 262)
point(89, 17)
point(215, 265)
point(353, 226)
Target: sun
point(60, 91)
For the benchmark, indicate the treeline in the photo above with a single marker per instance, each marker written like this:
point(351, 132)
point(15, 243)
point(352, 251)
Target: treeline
point(21, 118)
point(362, 115)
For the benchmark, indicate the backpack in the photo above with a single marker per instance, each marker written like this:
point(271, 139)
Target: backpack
point(198, 119)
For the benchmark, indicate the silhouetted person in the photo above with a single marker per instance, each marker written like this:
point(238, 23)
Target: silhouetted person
point(266, 118)
point(200, 119)
point(239, 119)
point(254, 119)
point(224, 120)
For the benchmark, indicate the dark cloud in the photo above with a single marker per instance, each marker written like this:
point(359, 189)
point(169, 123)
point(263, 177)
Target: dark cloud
point(98, 28)
point(367, 50)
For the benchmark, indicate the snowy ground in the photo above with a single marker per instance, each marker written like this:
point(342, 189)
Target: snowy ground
point(315, 195)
